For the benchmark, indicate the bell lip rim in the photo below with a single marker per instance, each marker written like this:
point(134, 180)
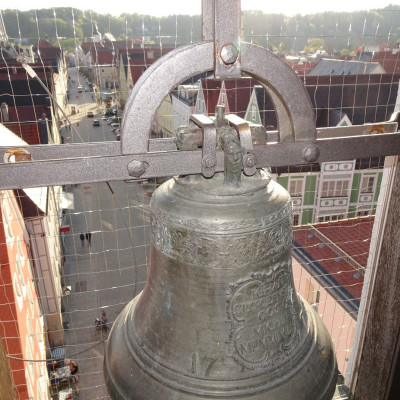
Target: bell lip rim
point(202, 390)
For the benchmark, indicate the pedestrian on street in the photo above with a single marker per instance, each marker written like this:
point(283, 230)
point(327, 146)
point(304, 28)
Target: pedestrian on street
point(89, 237)
point(82, 239)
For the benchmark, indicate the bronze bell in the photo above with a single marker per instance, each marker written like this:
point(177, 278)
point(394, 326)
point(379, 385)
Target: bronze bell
point(219, 317)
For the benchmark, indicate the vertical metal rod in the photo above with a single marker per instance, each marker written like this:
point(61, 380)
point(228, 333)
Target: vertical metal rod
point(227, 20)
point(207, 11)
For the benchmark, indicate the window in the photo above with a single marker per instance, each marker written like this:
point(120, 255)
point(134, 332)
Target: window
point(312, 295)
point(223, 98)
point(20, 251)
point(296, 187)
point(19, 270)
point(7, 218)
point(335, 188)
point(315, 300)
point(362, 213)
point(296, 219)
point(253, 112)
point(367, 184)
point(18, 291)
point(331, 217)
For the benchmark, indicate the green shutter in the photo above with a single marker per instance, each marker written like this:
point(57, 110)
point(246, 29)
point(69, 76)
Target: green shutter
point(283, 181)
point(378, 186)
point(307, 216)
point(352, 212)
point(355, 188)
point(309, 189)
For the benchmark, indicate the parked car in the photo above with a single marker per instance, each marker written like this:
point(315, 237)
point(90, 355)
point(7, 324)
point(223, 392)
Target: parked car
point(96, 122)
point(111, 120)
point(90, 114)
point(104, 118)
point(114, 126)
point(80, 88)
point(118, 137)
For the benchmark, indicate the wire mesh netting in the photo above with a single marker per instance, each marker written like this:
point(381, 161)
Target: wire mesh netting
point(70, 252)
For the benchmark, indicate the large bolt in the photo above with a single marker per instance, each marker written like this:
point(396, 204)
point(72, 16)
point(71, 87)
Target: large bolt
point(311, 153)
point(209, 162)
point(229, 53)
point(137, 168)
point(249, 160)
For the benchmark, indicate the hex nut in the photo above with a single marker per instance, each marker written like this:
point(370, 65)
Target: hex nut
point(229, 54)
point(137, 168)
point(311, 153)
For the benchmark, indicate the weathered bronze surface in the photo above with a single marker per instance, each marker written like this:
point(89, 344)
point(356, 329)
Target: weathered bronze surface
point(219, 317)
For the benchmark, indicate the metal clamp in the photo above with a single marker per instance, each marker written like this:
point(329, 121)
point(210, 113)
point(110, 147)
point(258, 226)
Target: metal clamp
point(209, 157)
point(246, 142)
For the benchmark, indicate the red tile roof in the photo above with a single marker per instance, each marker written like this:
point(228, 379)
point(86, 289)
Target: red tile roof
point(27, 206)
point(103, 57)
point(238, 93)
point(211, 89)
point(29, 132)
point(389, 61)
point(352, 237)
point(25, 113)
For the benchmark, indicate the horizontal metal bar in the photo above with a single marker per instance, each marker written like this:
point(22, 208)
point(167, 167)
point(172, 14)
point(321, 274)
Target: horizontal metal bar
point(102, 149)
point(104, 168)
point(356, 130)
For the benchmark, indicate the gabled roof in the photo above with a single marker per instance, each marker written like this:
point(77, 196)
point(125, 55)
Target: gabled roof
point(43, 44)
point(104, 57)
point(345, 67)
point(28, 131)
point(123, 44)
point(302, 69)
point(29, 205)
point(47, 52)
point(336, 254)
point(364, 56)
point(211, 89)
point(21, 90)
point(390, 61)
point(329, 117)
point(87, 46)
point(26, 113)
point(238, 93)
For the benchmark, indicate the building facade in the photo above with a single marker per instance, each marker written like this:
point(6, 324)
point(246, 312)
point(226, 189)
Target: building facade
point(22, 325)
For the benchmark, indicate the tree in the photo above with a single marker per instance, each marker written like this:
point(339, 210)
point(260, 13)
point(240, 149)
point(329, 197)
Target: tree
point(314, 45)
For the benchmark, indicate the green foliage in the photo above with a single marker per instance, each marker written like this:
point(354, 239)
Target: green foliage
point(67, 44)
point(343, 30)
point(314, 45)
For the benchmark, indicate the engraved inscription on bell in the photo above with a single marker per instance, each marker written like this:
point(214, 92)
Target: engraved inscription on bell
point(265, 329)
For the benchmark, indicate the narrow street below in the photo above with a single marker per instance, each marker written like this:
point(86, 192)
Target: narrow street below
point(106, 271)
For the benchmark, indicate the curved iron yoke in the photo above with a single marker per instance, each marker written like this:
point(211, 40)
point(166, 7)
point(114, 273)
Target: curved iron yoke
point(297, 140)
